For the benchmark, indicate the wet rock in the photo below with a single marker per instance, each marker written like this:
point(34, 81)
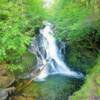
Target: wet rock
point(3, 94)
point(5, 78)
point(10, 90)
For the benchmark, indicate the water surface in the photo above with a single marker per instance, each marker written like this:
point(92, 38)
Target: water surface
point(56, 87)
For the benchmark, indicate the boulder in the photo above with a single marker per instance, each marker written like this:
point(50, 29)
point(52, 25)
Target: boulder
point(6, 79)
point(3, 94)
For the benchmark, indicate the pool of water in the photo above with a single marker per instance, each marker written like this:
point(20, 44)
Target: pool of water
point(54, 88)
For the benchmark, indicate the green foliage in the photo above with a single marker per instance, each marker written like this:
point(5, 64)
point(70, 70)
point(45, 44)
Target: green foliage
point(18, 20)
point(16, 68)
point(74, 19)
point(77, 22)
point(76, 25)
point(35, 12)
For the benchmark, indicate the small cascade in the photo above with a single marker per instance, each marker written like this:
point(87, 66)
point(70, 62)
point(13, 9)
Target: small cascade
point(49, 57)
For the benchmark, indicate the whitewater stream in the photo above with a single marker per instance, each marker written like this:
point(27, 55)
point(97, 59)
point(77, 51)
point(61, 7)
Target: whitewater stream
point(49, 56)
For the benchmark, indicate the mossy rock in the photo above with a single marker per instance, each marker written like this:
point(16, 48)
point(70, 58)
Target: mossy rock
point(91, 89)
point(6, 78)
point(28, 60)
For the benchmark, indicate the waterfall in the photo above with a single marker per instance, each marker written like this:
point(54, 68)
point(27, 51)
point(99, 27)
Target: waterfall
point(49, 57)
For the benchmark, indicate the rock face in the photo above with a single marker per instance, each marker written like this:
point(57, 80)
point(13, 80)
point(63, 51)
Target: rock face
point(5, 78)
point(3, 94)
point(5, 81)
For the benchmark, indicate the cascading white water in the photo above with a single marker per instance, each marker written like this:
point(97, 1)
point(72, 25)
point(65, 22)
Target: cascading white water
point(52, 62)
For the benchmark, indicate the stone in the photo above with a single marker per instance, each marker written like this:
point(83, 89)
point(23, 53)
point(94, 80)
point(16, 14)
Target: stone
point(10, 90)
point(5, 81)
point(3, 94)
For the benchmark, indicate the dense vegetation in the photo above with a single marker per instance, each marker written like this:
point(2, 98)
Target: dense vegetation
point(76, 22)
point(18, 21)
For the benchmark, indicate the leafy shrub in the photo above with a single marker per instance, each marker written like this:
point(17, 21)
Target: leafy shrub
point(76, 24)
point(18, 21)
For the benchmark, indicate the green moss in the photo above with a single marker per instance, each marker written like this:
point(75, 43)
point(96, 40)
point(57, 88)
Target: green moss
point(91, 88)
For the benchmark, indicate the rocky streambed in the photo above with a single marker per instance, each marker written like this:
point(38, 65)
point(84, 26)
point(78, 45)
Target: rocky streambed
point(56, 87)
